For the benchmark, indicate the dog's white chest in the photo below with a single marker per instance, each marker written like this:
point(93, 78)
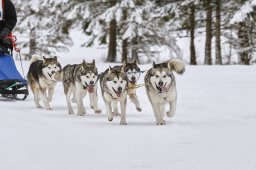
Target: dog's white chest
point(46, 83)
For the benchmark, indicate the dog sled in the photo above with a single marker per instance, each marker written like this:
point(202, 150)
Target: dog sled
point(12, 84)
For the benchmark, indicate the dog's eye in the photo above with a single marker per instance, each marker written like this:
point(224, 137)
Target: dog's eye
point(115, 82)
point(93, 77)
point(87, 76)
point(49, 67)
point(164, 76)
point(122, 81)
point(157, 76)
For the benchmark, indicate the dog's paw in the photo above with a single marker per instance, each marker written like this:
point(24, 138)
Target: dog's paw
point(123, 123)
point(161, 122)
point(116, 114)
point(170, 114)
point(70, 112)
point(49, 108)
point(39, 106)
point(97, 111)
point(139, 109)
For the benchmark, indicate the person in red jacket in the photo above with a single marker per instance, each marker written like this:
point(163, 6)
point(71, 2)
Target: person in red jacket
point(8, 20)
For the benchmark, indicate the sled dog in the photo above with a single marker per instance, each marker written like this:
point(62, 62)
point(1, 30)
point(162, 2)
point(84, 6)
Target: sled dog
point(161, 87)
point(42, 77)
point(114, 85)
point(78, 79)
point(132, 72)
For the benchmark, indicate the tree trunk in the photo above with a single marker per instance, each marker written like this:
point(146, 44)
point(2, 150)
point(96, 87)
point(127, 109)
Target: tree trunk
point(243, 39)
point(32, 42)
point(208, 41)
point(192, 35)
point(218, 33)
point(135, 49)
point(125, 41)
point(112, 42)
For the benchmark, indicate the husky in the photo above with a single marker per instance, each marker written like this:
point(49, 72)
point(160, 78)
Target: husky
point(161, 87)
point(78, 79)
point(42, 77)
point(133, 72)
point(114, 85)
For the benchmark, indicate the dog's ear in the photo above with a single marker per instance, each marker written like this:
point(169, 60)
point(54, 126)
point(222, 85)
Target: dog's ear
point(135, 61)
point(84, 62)
point(154, 64)
point(122, 68)
point(93, 62)
point(109, 70)
point(44, 58)
point(55, 58)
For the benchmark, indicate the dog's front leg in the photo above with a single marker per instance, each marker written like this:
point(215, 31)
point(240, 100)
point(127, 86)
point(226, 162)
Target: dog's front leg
point(42, 93)
point(134, 99)
point(50, 93)
point(172, 110)
point(123, 111)
point(68, 96)
point(36, 99)
point(109, 110)
point(157, 112)
point(79, 96)
point(94, 102)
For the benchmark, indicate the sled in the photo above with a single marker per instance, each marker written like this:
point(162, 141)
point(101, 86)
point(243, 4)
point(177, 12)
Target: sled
point(12, 84)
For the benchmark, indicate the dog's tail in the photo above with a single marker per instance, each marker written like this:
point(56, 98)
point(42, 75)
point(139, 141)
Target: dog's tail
point(177, 65)
point(35, 58)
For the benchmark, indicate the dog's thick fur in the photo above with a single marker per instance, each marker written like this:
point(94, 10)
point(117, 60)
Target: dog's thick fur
point(42, 77)
point(114, 85)
point(161, 87)
point(80, 79)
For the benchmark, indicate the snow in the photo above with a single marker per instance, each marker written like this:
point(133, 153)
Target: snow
point(214, 127)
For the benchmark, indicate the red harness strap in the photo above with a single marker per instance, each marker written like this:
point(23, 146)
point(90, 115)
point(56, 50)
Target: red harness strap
point(13, 40)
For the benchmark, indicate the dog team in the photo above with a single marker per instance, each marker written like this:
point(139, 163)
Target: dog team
point(116, 83)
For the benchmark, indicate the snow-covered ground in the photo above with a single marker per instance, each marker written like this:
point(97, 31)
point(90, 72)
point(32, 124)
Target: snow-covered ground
point(214, 127)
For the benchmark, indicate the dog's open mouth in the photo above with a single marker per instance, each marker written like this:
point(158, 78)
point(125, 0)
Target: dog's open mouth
point(162, 89)
point(118, 93)
point(90, 88)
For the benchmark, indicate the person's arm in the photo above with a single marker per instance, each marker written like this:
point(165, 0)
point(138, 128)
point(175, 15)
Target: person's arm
point(10, 17)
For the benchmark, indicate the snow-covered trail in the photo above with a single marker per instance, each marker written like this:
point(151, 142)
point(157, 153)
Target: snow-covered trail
point(214, 128)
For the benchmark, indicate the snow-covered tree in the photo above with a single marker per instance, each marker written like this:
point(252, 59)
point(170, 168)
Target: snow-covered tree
point(244, 22)
point(40, 26)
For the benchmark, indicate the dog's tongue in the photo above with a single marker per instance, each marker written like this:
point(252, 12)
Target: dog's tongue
point(118, 94)
point(163, 88)
point(90, 89)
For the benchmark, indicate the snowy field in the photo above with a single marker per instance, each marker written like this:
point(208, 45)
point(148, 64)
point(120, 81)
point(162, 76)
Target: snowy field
point(213, 129)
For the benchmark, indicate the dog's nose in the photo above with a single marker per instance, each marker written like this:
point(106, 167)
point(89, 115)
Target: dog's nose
point(53, 72)
point(133, 78)
point(160, 83)
point(119, 89)
point(91, 82)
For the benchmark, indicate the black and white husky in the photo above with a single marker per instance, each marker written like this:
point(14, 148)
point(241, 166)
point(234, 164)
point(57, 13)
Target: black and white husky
point(161, 87)
point(114, 85)
point(133, 72)
point(42, 77)
point(78, 79)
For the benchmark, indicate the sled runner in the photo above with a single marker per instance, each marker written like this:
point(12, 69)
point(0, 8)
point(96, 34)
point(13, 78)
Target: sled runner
point(12, 84)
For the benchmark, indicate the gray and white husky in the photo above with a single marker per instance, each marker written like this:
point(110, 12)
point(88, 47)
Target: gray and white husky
point(132, 72)
point(161, 87)
point(114, 85)
point(42, 77)
point(78, 79)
